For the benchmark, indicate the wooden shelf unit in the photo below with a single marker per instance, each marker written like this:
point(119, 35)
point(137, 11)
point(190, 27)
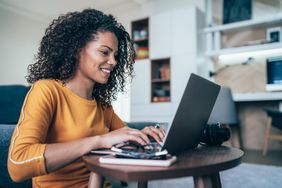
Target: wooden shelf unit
point(140, 36)
point(160, 80)
point(167, 41)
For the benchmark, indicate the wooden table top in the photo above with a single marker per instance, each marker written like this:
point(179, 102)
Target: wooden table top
point(197, 162)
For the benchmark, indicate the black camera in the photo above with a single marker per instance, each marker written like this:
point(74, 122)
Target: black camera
point(215, 134)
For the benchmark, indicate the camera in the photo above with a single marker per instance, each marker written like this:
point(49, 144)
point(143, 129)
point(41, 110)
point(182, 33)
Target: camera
point(215, 134)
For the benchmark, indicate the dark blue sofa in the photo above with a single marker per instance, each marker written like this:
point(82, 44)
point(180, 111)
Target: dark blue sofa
point(11, 100)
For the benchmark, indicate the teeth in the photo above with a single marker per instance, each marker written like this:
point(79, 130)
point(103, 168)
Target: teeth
point(106, 70)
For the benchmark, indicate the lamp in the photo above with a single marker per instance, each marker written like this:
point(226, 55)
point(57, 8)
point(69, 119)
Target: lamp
point(214, 73)
point(224, 111)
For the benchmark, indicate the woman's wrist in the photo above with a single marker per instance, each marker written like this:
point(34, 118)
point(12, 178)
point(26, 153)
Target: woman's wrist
point(103, 141)
point(98, 141)
point(91, 143)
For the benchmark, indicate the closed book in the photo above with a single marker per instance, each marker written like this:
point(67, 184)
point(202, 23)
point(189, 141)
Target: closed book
point(110, 159)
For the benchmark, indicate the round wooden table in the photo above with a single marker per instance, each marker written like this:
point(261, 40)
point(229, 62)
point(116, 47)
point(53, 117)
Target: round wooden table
point(203, 163)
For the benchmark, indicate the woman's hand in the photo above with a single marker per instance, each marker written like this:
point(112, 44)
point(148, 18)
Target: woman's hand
point(155, 132)
point(125, 134)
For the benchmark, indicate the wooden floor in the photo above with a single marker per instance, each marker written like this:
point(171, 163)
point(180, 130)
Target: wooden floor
point(255, 157)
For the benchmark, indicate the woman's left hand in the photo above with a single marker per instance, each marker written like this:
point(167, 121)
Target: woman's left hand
point(155, 132)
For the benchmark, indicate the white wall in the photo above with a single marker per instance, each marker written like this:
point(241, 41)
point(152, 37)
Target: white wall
point(152, 7)
point(20, 37)
point(128, 14)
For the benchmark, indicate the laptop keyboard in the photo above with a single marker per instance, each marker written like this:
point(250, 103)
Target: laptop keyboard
point(153, 147)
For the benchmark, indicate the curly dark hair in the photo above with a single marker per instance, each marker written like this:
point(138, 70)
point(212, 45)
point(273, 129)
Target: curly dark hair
point(66, 36)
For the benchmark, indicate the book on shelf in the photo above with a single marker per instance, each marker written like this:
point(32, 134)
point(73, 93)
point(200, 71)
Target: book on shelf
point(141, 52)
point(162, 72)
point(161, 99)
point(165, 72)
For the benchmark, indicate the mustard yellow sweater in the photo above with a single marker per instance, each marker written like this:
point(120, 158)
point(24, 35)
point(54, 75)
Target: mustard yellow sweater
point(52, 113)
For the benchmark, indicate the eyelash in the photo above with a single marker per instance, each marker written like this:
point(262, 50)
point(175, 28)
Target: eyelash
point(106, 53)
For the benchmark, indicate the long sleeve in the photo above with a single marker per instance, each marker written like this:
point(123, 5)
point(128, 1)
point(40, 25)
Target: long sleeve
point(52, 113)
point(27, 147)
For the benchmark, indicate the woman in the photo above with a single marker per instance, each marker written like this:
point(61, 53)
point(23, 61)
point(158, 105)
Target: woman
point(83, 61)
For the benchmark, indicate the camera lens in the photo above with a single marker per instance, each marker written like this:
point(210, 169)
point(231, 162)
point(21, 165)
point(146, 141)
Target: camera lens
point(215, 134)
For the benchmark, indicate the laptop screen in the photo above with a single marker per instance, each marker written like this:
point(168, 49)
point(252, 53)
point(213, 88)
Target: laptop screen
point(192, 115)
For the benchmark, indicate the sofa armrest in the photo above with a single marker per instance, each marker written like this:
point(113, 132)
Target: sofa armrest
point(140, 124)
point(11, 101)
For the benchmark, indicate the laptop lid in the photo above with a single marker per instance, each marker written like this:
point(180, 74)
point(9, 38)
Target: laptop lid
point(192, 115)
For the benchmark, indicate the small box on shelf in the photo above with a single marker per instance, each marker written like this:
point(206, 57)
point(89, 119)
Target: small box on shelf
point(140, 35)
point(273, 34)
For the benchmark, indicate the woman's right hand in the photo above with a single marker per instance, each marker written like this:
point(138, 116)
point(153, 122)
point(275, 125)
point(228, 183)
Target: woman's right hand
point(122, 135)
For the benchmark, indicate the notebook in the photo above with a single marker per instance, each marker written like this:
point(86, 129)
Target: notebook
point(111, 159)
point(191, 116)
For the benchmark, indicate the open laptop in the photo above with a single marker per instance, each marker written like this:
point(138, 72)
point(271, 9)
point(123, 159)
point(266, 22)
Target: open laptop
point(192, 115)
point(189, 120)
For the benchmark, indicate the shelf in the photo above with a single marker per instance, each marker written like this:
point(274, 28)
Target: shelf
point(216, 34)
point(141, 58)
point(258, 47)
point(160, 80)
point(262, 96)
point(161, 99)
point(262, 22)
point(141, 40)
point(140, 37)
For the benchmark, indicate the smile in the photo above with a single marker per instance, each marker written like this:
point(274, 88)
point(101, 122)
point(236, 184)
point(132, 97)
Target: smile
point(106, 71)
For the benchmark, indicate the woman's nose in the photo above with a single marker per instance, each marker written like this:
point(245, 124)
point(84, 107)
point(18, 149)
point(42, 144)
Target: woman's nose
point(112, 61)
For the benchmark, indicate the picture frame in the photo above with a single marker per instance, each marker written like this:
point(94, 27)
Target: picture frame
point(274, 34)
point(237, 10)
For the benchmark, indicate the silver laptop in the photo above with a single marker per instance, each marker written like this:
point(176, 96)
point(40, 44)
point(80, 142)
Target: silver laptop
point(187, 126)
point(192, 115)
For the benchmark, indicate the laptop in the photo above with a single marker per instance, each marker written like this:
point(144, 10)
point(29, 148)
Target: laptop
point(188, 123)
point(191, 116)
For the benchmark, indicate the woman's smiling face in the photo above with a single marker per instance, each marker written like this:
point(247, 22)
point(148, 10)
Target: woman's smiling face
point(98, 58)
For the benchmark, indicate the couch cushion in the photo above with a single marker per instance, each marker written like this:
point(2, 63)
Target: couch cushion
point(11, 100)
point(6, 132)
point(5, 180)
